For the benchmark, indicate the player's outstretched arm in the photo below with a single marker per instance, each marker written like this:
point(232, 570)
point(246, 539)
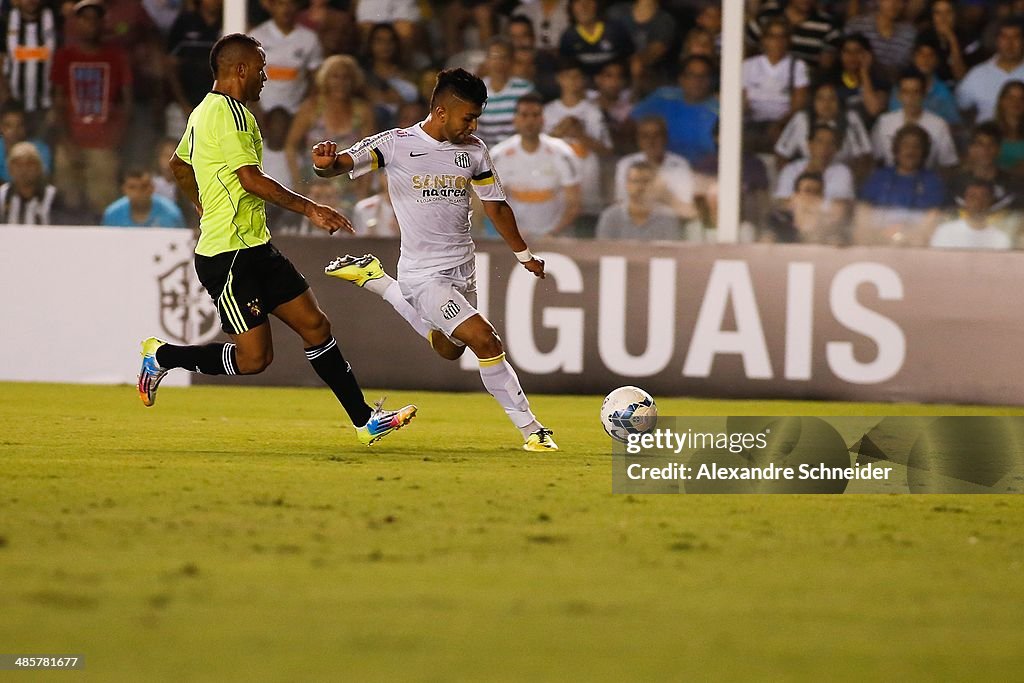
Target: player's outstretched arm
point(185, 177)
point(504, 221)
point(327, 162)
point(256, 182)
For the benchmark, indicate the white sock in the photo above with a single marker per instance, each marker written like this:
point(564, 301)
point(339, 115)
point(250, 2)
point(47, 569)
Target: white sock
point(388, 289)
point(502, 383)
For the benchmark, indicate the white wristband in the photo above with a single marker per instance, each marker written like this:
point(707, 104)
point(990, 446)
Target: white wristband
point(524, 255)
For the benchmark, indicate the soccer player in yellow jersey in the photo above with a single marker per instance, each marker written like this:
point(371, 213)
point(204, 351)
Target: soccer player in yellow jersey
point(217, 165)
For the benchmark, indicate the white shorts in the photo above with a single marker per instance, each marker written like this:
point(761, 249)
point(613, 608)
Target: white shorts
point(387, 11)
point(445, 299)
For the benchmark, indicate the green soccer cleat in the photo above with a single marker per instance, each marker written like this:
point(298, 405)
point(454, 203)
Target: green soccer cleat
point(356, 269)
point(151, 372)
point(540, 441)
point(383, 422)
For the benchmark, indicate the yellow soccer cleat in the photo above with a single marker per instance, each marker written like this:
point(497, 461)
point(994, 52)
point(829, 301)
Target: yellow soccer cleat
point(356, 269)
point(151, 372)
point(540, 441)
point(383, 422)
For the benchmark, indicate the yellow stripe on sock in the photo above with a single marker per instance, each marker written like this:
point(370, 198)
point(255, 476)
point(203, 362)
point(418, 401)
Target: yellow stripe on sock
point(488, 362)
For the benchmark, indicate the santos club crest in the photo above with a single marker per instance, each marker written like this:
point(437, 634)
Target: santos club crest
point(187, 314)
point(462, 159)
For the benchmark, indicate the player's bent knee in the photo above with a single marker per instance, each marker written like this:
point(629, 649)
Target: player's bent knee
point(253, 364)
point(488, 346)
point(317, 331)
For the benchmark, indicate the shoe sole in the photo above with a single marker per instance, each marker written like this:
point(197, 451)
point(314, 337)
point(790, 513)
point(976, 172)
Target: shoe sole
point(144, 396)
point(358, 281)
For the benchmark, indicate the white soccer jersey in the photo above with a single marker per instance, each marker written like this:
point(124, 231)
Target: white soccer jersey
point(429, 183)
point(290, 58)
point(535, 181)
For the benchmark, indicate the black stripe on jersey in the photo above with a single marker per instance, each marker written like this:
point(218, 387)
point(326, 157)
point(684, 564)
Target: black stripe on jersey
point(237, 106)
point(378, 156)
point(483, 176)
point(239, 117)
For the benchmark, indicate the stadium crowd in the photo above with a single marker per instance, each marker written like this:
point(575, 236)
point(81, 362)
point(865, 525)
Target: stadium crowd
point(866, 122)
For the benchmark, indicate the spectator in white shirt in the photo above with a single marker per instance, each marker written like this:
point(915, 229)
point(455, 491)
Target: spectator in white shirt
point(579, 122)
point(978, 90)
point(538, 173)
point(973, 230)
point(639, 217)
point(293, 56)
point(673, 180)
point(825, 107)
point(822, 146)
point(805, 216)
point(774, 86)
point(910, 90)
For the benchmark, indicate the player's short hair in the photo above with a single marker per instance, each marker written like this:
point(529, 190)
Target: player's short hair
point(228, 50)
point(532, 97)
point(462, 84)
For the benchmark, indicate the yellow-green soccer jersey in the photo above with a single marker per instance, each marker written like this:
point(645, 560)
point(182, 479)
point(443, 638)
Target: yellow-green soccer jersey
point(220, 138)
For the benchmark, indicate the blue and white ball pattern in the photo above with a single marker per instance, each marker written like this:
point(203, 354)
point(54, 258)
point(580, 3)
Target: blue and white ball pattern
point(628, 410)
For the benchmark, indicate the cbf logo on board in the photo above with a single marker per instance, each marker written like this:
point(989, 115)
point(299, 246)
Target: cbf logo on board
point(462, 159)
point(187, 314)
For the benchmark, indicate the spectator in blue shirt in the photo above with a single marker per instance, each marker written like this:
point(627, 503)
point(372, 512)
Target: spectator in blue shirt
point(900, 204)
point(690, 110)
point(140, 207)
point(938, 99)
point(14, 129)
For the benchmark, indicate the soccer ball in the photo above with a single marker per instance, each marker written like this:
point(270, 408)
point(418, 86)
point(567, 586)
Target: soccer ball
point(628, 410)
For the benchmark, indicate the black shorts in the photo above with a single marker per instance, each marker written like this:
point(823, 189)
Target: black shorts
point(248, 284)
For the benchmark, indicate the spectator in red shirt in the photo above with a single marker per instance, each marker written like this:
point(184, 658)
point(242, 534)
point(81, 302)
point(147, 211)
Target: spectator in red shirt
point(92, 94)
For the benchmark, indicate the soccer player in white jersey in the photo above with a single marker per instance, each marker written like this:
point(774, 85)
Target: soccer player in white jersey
point(431, 167)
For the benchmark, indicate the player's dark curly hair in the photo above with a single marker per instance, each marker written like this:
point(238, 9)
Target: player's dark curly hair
point(230, 46)
point(462, 84)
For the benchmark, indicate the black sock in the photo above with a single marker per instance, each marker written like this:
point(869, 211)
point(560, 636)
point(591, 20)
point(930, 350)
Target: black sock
point(209, 359)
point(336, 373)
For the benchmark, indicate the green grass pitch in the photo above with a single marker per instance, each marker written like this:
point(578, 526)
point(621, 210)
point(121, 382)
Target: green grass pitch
point(241, 534)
